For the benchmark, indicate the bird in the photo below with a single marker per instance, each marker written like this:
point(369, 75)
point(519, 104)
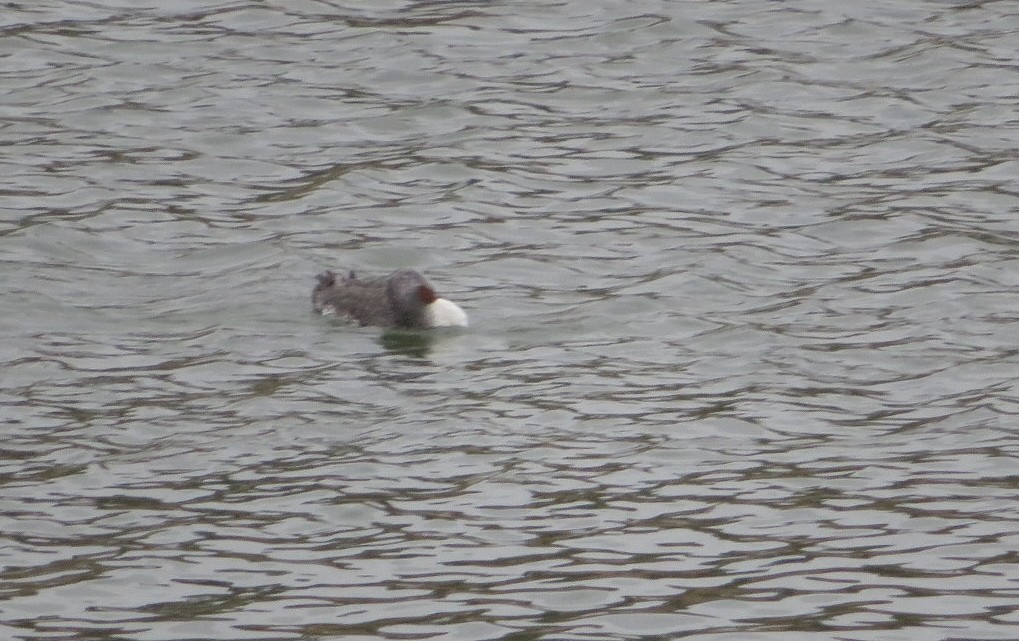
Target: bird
point(404, 299)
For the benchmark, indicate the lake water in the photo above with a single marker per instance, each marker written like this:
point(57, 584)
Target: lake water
point(742, 278)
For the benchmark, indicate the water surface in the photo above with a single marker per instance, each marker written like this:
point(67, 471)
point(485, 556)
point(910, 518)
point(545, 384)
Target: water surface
point(742, 281)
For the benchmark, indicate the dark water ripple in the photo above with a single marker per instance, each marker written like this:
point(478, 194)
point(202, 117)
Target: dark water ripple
point(742, 277)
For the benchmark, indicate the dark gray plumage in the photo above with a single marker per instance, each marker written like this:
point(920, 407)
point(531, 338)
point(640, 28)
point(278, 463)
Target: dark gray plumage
point(401, 300)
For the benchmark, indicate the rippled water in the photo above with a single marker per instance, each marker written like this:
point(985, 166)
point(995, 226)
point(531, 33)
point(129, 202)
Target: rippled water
point(742, 277)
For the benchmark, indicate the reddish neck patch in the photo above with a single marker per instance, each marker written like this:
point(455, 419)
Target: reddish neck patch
point(426, 294)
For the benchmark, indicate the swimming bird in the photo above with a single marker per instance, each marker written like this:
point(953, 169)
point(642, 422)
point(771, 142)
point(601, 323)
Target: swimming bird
point(404, 299)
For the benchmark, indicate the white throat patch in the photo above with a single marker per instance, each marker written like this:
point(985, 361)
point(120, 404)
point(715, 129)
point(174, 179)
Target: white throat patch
point(444, 313)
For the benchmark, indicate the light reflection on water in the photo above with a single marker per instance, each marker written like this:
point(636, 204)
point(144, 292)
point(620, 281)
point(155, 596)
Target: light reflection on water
point(741, 278)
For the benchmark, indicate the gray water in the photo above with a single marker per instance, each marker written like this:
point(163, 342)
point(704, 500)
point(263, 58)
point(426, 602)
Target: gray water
point(742, 278)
